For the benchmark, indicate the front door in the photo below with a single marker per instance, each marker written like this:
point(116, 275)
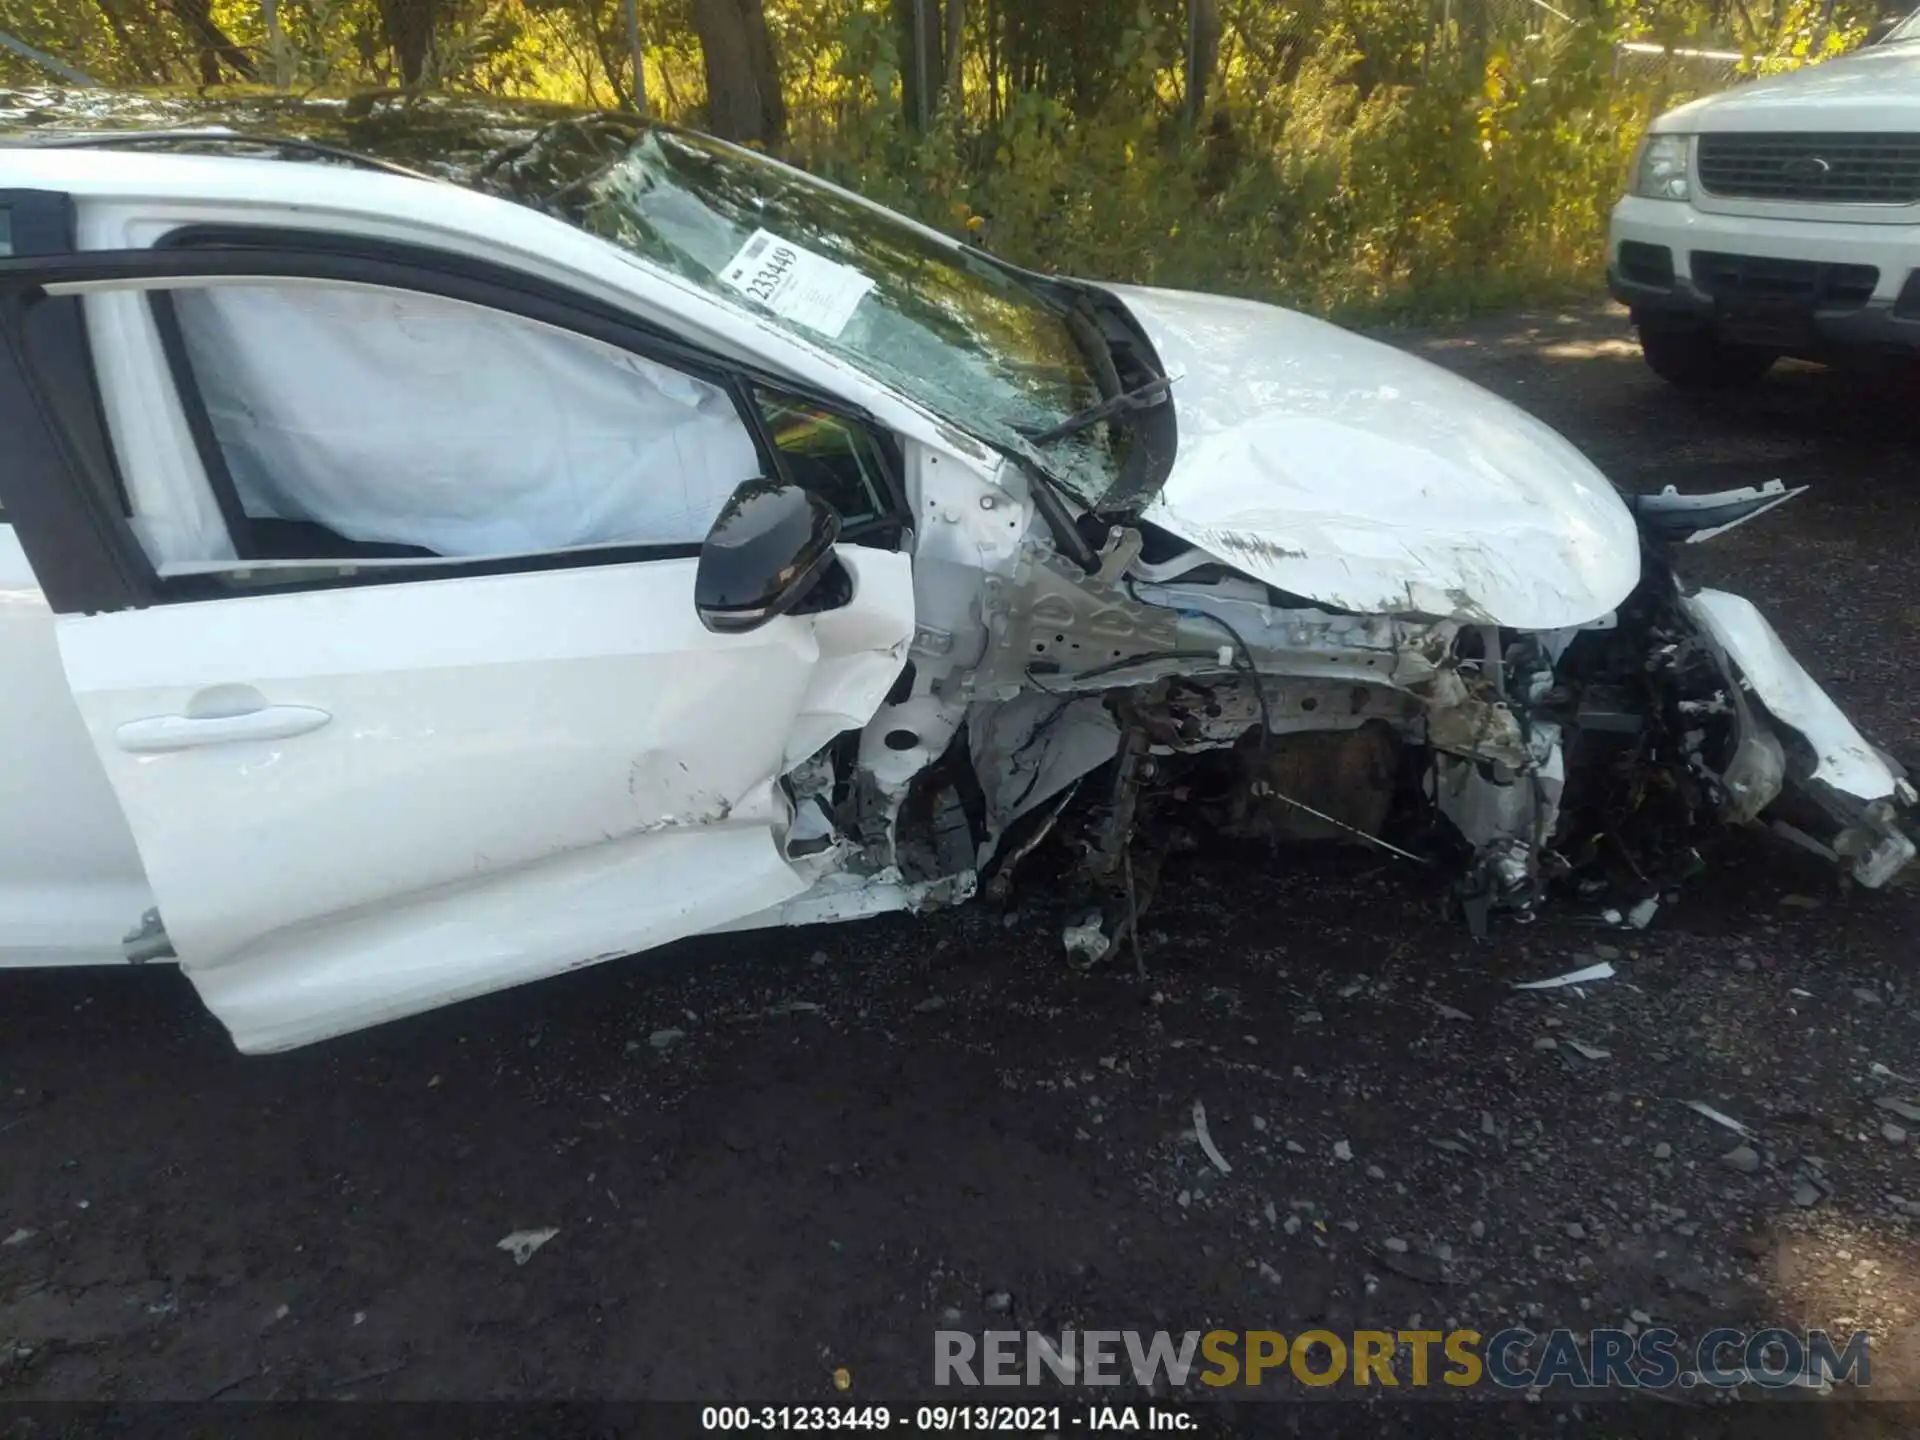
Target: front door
point(412, 702)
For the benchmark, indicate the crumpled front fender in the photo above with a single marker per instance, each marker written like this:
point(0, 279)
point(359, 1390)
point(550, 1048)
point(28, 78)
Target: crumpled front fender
point(1865, 792)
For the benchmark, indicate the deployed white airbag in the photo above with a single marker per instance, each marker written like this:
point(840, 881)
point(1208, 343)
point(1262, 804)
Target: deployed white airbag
point(408, 419)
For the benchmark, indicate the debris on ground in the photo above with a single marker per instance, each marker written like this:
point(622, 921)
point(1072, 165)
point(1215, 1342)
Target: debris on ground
point(521, 1244)
point(1700, 1107)
point(1586, 976)
point(1086, 942)
point(1206, 1140)
point(1638, 917)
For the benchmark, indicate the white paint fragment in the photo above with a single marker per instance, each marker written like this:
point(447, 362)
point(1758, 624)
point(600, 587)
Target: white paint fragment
point(1602, 971)
point(522, 1243)
point(1206, 1140)
point(1700, 1107)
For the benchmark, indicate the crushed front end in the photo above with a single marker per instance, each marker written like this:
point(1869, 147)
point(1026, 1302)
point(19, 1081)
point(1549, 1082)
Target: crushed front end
point(1185, 700)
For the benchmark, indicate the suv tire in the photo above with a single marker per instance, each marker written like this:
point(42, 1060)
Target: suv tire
point(1698, 359)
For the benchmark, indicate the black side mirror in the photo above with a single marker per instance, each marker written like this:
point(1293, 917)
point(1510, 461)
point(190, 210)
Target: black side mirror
point(768, 548)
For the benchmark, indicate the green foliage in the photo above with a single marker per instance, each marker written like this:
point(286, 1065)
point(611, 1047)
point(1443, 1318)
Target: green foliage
point(1359, 157)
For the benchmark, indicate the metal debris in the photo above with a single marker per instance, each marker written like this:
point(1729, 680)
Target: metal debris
point(1206, 1140)
point(18, 1237)
point(522, 1243)
point(1905, 1109)
point(1881, 1072)
point(1447, 1012)
point(1589, 1052)
point(1602, 971)
point(1700, 1107)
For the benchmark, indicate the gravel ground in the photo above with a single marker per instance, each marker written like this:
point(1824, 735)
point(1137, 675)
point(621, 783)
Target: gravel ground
point(771, 1158)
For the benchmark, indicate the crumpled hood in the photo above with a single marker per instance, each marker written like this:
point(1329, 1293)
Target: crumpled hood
point(1871, 90)
point(1357, 476)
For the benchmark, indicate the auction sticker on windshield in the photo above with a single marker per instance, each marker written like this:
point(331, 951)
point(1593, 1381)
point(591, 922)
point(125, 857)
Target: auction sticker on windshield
point(796, 284)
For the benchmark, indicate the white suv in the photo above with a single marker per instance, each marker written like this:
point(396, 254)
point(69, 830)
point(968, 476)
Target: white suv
point(1779, 218)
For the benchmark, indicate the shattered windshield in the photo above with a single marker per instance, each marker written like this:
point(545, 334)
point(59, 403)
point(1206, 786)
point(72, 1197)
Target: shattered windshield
point(970, 341)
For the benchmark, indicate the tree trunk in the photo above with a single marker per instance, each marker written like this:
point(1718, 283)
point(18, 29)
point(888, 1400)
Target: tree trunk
point(1203, 52)
point(639, 54)
point(409, 26)
point(138, 54)
point(212, 45)
point(993, 63)
point(743, 80)
point(917, 25)
point(956, 53)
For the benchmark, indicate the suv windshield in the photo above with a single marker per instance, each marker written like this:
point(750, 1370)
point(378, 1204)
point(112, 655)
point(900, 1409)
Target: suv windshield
point(1907, 29)
point(963, 336)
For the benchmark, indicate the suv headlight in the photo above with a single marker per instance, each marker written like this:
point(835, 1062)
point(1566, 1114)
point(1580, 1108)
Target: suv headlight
point(1660, 169)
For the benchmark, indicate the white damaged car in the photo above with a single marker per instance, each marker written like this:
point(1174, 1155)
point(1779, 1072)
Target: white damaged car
point(411, 589)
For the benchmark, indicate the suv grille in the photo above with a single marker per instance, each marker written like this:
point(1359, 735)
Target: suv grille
point(1750, 279)
point(1829, 169)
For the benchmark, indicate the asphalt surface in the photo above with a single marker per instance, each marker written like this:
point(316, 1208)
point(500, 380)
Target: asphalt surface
point(773, 1158)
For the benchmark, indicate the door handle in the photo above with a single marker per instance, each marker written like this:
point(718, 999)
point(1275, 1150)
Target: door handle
point(159, 733)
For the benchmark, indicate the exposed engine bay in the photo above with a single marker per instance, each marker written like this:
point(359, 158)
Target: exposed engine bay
point(1179, 699)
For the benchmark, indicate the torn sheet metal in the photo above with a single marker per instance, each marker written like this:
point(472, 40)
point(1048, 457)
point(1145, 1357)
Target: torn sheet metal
point(1031, 748)
point(1844, 758)
point(1694, 519)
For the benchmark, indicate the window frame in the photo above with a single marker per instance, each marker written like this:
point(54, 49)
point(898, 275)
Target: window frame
point(119, 574)
point(41, 223)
